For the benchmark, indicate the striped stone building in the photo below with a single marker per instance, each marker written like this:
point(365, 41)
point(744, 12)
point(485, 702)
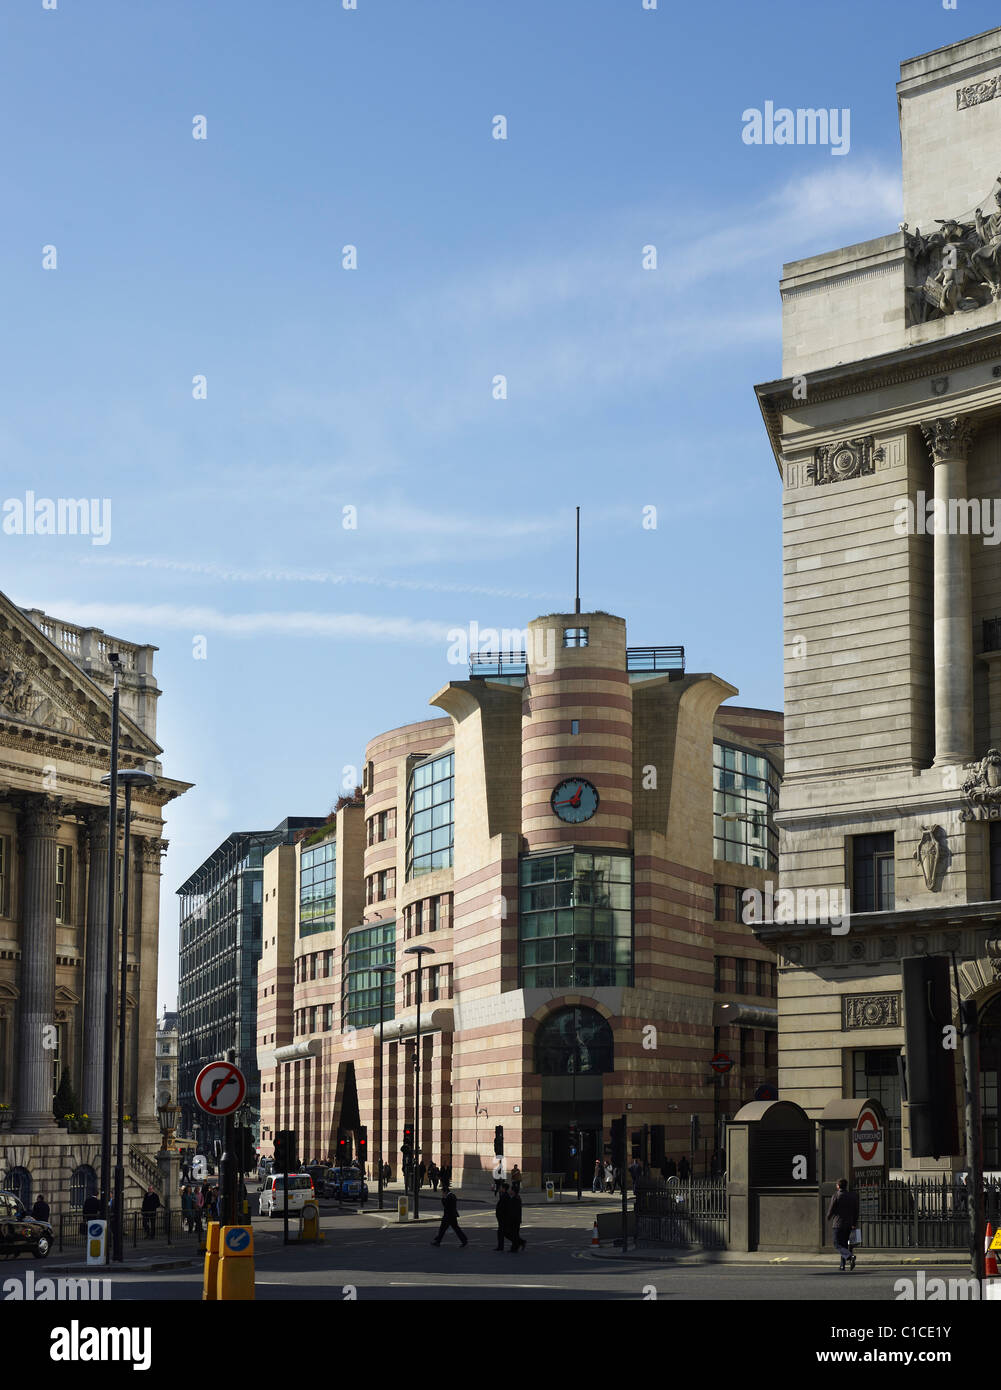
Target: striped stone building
point(556, 839)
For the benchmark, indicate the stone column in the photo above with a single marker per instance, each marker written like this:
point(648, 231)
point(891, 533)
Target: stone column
point(144, 941)
point(95, 962)
point(37, 830)
point(948, 439)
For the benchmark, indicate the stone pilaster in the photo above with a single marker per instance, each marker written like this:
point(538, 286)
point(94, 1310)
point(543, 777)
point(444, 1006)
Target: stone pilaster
point(948, 439)
point(39, 825)
point(144, 936)
point(95, 965)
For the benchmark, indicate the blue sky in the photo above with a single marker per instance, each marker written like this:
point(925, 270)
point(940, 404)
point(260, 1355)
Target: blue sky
point(373, 388)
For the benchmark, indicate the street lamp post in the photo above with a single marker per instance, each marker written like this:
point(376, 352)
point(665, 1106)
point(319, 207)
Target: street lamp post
point(109, 946)
point(382, 971)
point(419, 952)
point(130, 777)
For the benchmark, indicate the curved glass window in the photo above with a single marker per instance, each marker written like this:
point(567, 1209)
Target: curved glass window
point(574, 1041)
point(575, 919)
point(19, 1180)
point(431, 816)
point(317, 876)
point(365, 949)
point(745, 795)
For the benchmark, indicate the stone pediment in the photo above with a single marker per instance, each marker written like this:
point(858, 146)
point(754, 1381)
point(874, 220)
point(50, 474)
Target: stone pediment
point(41, 688)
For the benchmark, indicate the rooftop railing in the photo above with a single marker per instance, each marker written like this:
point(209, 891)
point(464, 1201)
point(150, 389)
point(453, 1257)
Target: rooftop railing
point(655, 660)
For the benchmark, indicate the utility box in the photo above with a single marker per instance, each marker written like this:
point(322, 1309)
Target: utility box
point(772, 1177)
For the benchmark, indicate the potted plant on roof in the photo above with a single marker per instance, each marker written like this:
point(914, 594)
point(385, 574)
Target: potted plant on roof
point(6, 1115)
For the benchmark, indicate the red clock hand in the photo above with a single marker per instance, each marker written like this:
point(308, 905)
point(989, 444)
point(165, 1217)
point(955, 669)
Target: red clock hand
point(575, 800)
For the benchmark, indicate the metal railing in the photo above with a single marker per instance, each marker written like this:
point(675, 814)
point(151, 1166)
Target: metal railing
point(172, 1226)
point(145, 1168)
point(685, 1215)
point(498, 664)
point(655, 659)
point(922, 1213)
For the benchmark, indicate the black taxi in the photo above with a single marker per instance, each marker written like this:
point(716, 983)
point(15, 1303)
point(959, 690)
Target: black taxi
point(19, 1231)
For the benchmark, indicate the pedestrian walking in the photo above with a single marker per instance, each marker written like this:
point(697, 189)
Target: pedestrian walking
point(843, 1211)
point(598, 1181)
point(450, 1220)
point(446, 1177)
point(40, 1211)
point(514, 1224)
point(421, 1173)
point(434, 1173)
point(187, 1209)
point(684, 1168)
point(150, 1207)
point(516, 1179)
point(387, 1173)
point(635, 1171)
point(609, 1178)
point(670, 1169)
point(502, 1211)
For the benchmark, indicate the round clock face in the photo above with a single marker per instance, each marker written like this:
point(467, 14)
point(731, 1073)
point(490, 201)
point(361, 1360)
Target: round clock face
point(575, 799)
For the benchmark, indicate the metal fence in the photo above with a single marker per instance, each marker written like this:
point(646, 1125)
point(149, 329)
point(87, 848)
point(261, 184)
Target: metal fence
point(137, 1227)
point(922, 1213)
point(686, 1215)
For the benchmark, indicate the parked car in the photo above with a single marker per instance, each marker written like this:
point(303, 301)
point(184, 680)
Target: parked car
point(264, 1169)
point(19, 1231)
point(346, 1184)
point(318, 1173)
point(272, 1198)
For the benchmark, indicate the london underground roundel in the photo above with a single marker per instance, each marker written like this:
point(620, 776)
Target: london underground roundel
point(575, 799)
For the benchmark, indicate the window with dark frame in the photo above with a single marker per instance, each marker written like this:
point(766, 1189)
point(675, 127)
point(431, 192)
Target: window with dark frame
point(872, 872)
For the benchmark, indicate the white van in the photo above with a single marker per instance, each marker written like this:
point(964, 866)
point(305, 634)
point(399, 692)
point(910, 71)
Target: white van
point(300, 1191)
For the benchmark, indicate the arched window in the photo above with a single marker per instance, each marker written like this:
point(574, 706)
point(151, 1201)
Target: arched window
point(574, 1040)
point(18, 1180)
point(83, 1184)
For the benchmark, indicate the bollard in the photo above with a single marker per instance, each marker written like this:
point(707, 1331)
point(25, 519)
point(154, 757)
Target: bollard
point(550, 1192)
point(210, 1280)
point(97, 1234)
point(309, 1221)
point(401, 1207)
point(235, 1275)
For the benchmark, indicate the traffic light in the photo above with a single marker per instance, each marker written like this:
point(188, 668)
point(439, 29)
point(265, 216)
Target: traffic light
point(280, 1159)
point(619, 1142)
point(657, 1154)
point(931, 1056)
point(407, 1147)
point(343, 1148)
point(244, 1148)
point(498, 1139)
point(362, 1134)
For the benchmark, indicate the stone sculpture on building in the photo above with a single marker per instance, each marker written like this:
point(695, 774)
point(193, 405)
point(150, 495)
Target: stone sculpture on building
point(957, 268)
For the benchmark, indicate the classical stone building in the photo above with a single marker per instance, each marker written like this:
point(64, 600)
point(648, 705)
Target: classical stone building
point(886, 427)
point(55, 731)
point(571, 840)
point(167, 1050)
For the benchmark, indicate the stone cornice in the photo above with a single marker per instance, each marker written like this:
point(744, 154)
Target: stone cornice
point(874, 374)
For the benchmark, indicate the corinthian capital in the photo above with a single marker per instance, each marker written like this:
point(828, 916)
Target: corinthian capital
point(152, 852)
point(948, 436)
point(40, 816)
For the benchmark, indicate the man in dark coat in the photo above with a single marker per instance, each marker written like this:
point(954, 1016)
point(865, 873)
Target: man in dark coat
point(514, 1224)
point(450, 1218)
point(684, 1168)
point(843, 1211)
point(446, 1177)
point(670, 1169)
point(150, 1207)
point(503, 1213)
point(40, 1211)
point(92, 1205)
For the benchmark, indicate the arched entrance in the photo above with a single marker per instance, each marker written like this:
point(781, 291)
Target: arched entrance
point(990, 1071)
point(574, 1047)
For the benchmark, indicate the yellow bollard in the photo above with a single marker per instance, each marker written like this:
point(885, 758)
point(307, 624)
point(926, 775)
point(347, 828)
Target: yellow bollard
point(235, 1278)
point(309, 1221)
point(402, 1208)
point(211, 1262)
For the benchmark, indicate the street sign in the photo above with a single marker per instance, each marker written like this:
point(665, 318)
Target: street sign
point(766, 1092)
point(996, 1242)
point(237, 1238)
point(868, 1142)
point(721, 1062)
point(220, 1088)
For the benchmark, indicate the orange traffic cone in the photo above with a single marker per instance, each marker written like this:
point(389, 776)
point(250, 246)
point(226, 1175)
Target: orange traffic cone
point(990, 1259)
point(596, 1241)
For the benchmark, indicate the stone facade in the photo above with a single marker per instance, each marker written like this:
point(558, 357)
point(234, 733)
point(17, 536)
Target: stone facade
point(891, 589)
point(55, 728)
point(645, 741)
